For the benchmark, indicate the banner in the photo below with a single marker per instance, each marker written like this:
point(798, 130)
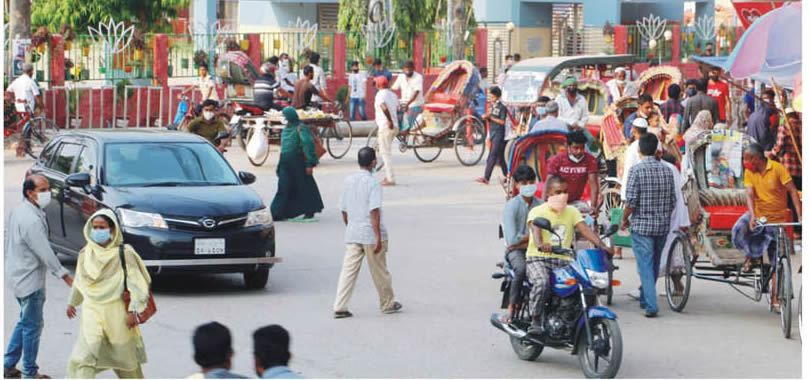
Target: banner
point(749, 11)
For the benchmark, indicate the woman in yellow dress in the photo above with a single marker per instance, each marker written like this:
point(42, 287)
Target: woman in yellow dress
point(109, 337)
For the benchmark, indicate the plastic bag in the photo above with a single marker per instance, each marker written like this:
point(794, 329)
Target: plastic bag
point(257, 146)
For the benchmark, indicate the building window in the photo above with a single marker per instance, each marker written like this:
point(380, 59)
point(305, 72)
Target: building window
point(566, 39)
point(228, 14)
point(327, 16)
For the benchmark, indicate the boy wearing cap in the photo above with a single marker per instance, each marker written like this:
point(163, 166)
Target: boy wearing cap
point(385, 115)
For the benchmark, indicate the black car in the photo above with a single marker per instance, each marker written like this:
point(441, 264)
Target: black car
point(180, 204)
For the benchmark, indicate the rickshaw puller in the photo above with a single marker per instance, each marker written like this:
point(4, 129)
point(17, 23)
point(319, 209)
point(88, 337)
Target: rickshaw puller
point(767, 184)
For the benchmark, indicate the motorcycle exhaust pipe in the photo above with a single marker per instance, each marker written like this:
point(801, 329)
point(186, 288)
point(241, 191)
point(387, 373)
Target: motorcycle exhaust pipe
point(495, 319)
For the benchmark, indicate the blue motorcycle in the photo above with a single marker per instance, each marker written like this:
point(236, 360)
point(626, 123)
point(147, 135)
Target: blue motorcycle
point(573, 318)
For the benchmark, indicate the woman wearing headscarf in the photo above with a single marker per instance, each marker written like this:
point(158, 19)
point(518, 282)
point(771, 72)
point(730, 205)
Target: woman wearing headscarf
point(297, 192)
point(109, 337)
point(703, 122)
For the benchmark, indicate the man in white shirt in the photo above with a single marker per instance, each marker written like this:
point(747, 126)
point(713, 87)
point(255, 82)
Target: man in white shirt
point(632, 155)
point(573, 106)
point(319, 78)
point(412, 100)
point(484, 85)
point(357, 91)
point(285, 74)
point(385, 114)
point(26, 91)
point(361, 206)
point(617, 85)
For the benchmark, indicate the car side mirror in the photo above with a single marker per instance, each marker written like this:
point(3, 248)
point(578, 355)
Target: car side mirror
point(81, 180)
point(247, 178)
point(542, 223)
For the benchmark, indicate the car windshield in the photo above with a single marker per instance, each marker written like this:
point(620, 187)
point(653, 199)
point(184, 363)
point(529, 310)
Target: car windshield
point(162, 164)
point(522, 86)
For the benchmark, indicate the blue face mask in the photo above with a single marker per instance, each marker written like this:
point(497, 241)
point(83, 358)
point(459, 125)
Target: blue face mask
point(527, 191)
point(541, 110)
point(100, 236)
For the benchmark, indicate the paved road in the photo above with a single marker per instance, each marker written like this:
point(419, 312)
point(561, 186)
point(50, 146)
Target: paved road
point(443, 249)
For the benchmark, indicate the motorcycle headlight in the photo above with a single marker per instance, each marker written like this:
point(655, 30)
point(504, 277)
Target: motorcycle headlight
point(598, 279)
point(259, 217)
point(130, 218)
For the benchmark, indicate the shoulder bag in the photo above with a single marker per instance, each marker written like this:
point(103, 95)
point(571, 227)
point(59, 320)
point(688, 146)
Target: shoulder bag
point(151, 308)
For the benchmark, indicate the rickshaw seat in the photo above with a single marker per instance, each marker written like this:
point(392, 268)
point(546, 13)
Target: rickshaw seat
point(442, 102)
point(724, 217)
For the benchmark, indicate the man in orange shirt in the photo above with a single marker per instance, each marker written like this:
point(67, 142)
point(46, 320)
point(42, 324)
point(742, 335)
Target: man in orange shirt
point(767, 185)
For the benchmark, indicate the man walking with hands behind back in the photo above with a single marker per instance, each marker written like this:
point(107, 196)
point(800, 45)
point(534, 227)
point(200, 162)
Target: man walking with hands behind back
point(385, 115)
point(28, 256)
point(361, 205)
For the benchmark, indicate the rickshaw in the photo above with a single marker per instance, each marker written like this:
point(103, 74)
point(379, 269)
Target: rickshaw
point(531, 78)
point(535, 149)
point(656, 80)
point(447, 119)
point(716, 199)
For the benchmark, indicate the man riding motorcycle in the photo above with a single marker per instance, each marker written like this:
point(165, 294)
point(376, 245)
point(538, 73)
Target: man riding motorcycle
point(516, 232)
point(540, 260)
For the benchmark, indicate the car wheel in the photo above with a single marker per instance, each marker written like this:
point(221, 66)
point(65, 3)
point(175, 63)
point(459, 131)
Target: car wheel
point(257, 279)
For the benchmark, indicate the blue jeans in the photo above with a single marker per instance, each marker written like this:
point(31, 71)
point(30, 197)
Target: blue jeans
point(357, 103)
point(647, 250)
point(25, 338)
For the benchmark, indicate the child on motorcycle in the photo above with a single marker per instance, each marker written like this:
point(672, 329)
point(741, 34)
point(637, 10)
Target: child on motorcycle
point(540, 261)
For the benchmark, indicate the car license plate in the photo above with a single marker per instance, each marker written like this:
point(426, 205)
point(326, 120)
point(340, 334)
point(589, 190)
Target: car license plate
point(235, 119)
point(209, 246)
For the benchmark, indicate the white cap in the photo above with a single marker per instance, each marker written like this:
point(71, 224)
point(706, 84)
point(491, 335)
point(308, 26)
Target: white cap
point(620, 70)
point(640, 123)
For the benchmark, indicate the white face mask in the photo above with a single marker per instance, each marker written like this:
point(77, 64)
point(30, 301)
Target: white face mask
point(574, 158)
point(43, 198)
point(208, 115)
point(527, 191)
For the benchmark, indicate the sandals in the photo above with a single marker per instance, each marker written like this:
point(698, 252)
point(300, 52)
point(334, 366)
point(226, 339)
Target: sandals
point(343, 314)
point(396, 307)
point(748, 266)
point(506, 318)
point(41, 376)
point(12, 373)
point(482, 181)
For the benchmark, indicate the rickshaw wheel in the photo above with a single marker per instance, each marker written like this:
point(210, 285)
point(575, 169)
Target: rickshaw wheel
point(679, 248)
point(338, 138)
point(425, 151)
point(785, 287)
point(611, 198)
point(470, 139)
point(261, 160)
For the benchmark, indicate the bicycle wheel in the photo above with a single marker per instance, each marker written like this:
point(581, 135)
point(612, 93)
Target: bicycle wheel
point(611, 199)
point(784, 286)
point(37, 132)
point(338, 138)
point(427, 153)
point(469, 142)
point(260, 161)
point(678, 273)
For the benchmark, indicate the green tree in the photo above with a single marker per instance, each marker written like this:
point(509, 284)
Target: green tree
point(410, 16)
point(149, 14)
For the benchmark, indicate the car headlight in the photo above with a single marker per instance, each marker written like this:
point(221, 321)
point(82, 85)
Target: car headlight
point(131, 218)
point(258, 217)
point(598, 279)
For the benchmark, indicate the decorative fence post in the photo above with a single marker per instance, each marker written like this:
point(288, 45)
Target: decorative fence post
point(339, 66)
point(481, 48)
point(620, 39)
point(676, 44)
point(57, 60)
point(160, 70)
point(255, 48)
point(419, 52)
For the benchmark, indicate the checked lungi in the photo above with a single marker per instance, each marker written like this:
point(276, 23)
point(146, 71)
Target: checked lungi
point(538, 270)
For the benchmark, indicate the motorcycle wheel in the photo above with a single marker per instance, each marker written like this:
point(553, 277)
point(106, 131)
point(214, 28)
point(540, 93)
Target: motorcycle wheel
point(604, 364)
point(241, 132)
point(525, 350)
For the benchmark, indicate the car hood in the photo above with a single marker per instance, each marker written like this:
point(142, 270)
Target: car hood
point(193, 201)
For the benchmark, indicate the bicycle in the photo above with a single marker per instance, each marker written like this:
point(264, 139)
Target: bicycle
point(35, 131)
point(336, 133)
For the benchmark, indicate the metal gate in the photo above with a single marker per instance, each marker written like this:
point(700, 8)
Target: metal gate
point(566, 30)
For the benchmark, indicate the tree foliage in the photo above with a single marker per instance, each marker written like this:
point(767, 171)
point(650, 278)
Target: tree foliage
point(150, 15)
point(410, 16)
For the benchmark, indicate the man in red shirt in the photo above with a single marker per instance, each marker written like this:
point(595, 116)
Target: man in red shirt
point(578, 168)
point(718, 90)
